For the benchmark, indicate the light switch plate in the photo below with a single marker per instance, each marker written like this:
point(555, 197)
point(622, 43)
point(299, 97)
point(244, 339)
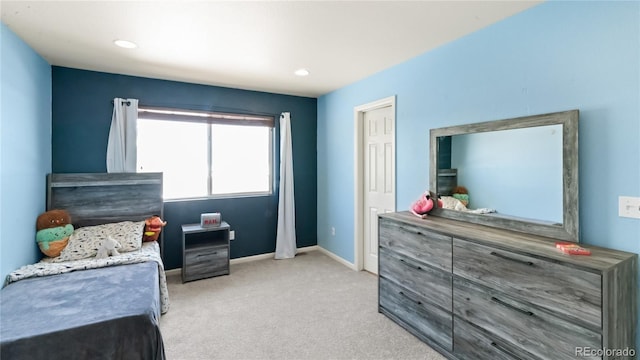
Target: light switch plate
point(629, 206)
point(232, 235)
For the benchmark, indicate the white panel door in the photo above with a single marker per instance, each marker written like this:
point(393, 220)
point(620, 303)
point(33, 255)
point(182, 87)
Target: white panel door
point(379, 187)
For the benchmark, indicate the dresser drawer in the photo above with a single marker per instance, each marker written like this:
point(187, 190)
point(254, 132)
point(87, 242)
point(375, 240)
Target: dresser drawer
point(530, 328)
point(570, 292)
point(205, 262)
point(432, 284)
point(414, 242)
point(412, 310)
point(472, 343)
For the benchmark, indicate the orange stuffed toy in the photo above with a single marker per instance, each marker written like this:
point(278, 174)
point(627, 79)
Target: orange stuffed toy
point(53, 231)
point(152, 228)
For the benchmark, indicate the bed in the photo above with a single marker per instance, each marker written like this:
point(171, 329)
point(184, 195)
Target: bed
point(91, 308)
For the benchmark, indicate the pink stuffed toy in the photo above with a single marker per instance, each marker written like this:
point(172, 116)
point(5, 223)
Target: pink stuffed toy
point(423, 205)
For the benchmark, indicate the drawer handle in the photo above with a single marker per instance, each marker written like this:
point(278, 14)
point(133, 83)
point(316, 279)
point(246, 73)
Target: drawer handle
point(526, 312)
point(409, 265)
point(407, 296)
point(504, 350)
point(511, 259)
point(207, 254)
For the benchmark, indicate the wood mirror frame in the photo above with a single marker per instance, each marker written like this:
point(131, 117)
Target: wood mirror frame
point(569, 229)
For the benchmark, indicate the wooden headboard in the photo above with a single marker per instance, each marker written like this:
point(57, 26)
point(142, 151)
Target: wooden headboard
point(93, 199)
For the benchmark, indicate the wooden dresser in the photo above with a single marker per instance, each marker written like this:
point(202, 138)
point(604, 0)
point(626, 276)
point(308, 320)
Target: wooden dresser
point(476, 292)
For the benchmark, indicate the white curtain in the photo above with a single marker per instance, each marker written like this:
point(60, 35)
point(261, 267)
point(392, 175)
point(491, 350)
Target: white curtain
point(286, 235)
point(121, 148)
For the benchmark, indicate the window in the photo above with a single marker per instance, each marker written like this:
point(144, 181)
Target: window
point(205, 154)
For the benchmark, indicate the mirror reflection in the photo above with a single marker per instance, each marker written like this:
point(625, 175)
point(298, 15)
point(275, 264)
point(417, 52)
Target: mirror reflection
point(515, 173)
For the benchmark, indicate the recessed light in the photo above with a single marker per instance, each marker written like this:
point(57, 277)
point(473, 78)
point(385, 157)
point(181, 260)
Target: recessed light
point(125, 44)
point(301, 72)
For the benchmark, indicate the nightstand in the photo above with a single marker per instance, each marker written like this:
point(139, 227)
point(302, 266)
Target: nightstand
point(205, 251)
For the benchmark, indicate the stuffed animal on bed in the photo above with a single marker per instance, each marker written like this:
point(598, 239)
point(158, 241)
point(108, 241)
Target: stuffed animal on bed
point(461, 193)
point(53, 231)
point(109, 247)
point(152, 228)
point(451, 203)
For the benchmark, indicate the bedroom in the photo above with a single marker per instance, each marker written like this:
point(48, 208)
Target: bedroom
point(552, 57)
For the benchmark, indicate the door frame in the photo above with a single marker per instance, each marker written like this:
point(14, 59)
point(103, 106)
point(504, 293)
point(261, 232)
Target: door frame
point(358, 216)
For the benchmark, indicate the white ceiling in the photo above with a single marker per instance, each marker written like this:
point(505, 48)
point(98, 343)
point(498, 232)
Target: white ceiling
point(253, 45)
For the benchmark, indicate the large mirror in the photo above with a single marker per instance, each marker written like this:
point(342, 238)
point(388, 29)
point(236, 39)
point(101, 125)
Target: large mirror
point(519, 174)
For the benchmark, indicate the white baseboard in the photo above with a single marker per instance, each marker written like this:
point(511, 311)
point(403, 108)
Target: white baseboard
point(252, 258)
point(338, 258)
point(177, 271)
point(271, 255)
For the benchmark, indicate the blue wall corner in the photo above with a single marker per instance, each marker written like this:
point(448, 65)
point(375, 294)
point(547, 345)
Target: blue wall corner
point(25, 148)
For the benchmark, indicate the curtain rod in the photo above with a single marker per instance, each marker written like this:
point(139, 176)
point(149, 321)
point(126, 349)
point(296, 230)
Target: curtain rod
point(158, 113)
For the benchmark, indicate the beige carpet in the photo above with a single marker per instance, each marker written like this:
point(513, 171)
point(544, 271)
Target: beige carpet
point(310, 307)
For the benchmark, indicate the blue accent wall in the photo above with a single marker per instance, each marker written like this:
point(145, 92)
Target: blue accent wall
point(25, 148)
point(557, 56)
point(82, 112)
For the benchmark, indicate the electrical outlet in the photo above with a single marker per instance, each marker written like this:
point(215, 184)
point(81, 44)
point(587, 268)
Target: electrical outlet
point(232, 235)
point(629, 207)
point(333, 231)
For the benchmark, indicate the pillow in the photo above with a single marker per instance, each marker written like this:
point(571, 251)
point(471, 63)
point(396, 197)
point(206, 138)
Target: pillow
point(85, 241)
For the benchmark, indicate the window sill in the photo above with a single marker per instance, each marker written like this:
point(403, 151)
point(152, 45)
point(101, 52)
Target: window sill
point(221, 196)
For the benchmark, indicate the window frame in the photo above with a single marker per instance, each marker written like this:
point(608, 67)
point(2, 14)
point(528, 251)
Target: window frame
point(213, 118)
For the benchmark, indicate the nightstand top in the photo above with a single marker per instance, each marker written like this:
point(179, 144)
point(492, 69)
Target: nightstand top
point(196, 228)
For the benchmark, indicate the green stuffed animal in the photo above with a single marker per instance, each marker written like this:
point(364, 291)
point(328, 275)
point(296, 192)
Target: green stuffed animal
point(53, 231)
point(461, 193)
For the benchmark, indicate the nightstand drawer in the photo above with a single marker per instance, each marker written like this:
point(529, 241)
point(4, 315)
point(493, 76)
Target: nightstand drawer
point(414, 311)
point(567, 291)
point(206, 262)
point(433, 284)
point(522, 325)
point(208, 255)
point(428, 247)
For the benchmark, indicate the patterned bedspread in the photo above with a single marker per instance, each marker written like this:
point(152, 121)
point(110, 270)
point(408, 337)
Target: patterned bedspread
point(150, 251)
